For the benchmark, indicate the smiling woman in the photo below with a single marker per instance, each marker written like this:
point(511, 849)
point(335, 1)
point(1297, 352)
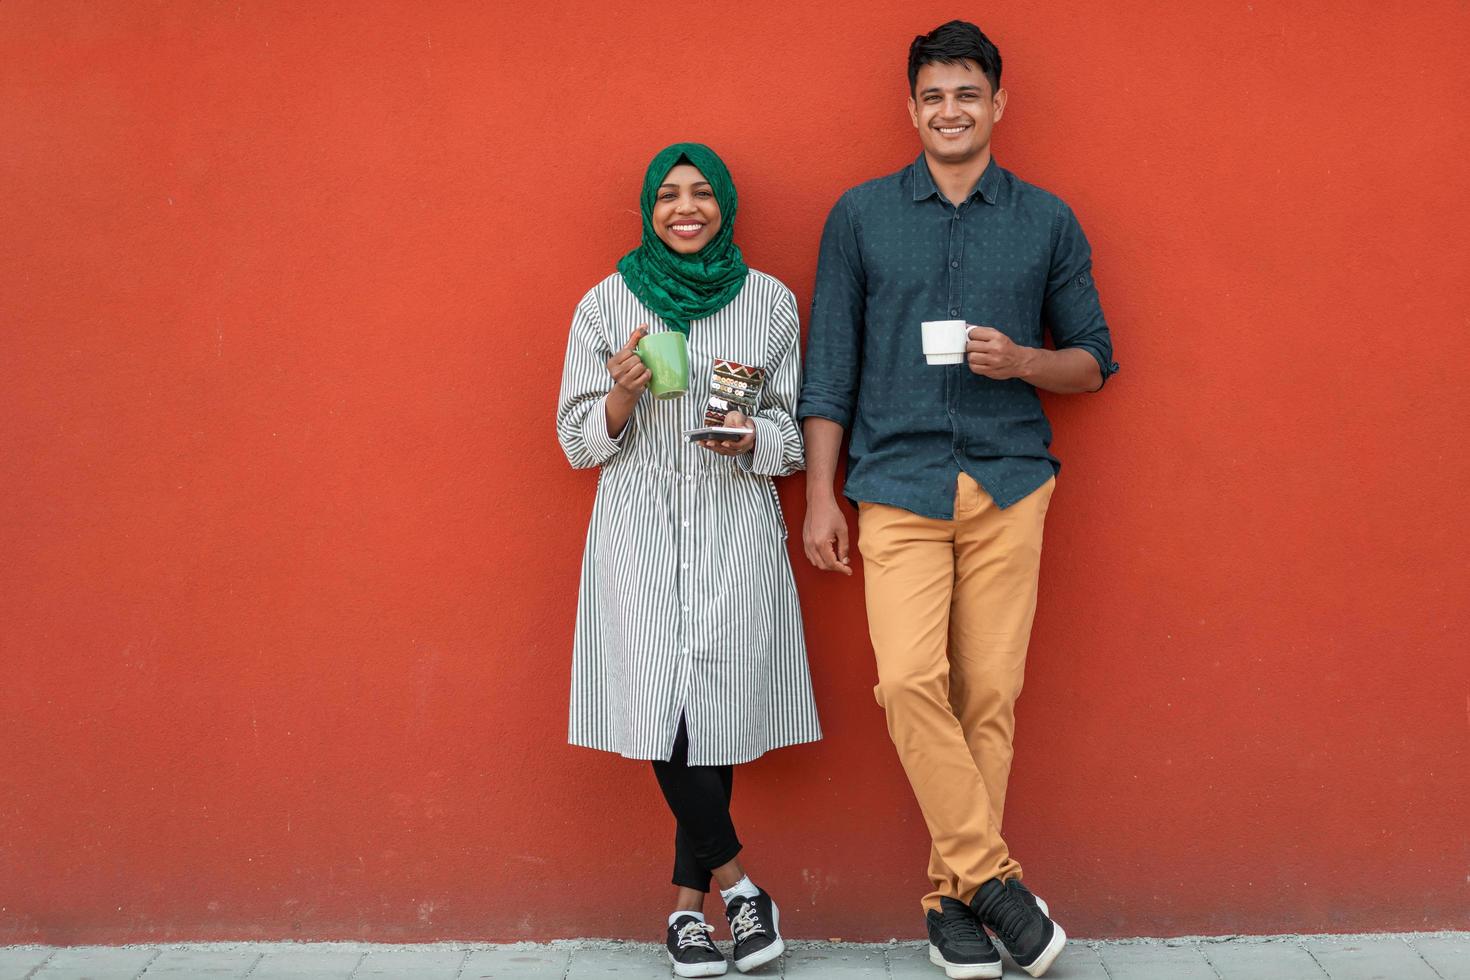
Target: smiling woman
point(686, 214)
point(689, 649)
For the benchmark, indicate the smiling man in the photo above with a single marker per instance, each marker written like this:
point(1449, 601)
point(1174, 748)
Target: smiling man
point(949, 465)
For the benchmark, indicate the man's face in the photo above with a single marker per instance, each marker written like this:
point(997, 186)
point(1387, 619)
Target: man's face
point(954, 110)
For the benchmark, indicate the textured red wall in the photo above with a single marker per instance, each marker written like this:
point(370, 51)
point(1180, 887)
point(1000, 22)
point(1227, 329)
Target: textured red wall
point(290, 551)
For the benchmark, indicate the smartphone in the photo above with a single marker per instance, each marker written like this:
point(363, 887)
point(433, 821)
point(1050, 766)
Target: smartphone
point(719, 433)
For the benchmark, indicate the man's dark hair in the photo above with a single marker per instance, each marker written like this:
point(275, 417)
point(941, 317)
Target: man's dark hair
point(951, 44)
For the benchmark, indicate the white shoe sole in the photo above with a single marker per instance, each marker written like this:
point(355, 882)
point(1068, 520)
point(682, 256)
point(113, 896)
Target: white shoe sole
point(963, 971)
point(711, 969)
point(1053, 949)
point(764, 956)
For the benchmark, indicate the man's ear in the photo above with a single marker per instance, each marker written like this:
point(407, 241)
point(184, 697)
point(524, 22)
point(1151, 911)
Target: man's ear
point(1000, 104)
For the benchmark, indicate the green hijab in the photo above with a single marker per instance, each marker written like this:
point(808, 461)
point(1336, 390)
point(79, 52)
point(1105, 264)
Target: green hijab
point(678, 287)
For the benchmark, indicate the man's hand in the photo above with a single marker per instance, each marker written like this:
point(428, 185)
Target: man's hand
point(630, 375)
point(992, 354)
point(735, 447)
point(824, 536)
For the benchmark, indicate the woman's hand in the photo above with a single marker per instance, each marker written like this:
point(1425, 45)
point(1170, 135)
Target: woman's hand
point(630, 375)
point(733, 447)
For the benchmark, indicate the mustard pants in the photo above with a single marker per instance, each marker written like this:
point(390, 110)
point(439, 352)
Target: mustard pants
point(950, 605)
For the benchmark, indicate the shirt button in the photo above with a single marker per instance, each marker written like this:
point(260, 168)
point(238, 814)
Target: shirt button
point(954, 312)
point(686, 523)
point(686, 649)
point(954, 265)
point(685, 566)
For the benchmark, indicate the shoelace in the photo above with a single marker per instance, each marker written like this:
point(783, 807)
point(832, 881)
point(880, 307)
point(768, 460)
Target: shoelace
point(957, 924)
point(1012, 915)
point(746, 922)
point(696, 933)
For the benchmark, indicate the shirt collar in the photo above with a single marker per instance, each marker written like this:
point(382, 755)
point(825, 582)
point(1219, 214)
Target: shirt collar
point(924, 186)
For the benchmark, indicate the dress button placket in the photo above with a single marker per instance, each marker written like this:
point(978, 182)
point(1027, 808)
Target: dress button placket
point(685, 482)
point(692, 465)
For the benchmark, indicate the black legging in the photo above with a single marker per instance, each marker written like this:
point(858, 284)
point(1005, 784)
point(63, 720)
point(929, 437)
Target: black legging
point(700, 799)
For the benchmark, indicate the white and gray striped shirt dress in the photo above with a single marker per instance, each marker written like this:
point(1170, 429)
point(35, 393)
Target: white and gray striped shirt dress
point(687, 604)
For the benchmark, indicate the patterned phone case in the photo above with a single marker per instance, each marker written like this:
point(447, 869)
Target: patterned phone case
point(733, 386)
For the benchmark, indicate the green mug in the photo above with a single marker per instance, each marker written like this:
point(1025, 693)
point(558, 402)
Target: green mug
point(667, 357)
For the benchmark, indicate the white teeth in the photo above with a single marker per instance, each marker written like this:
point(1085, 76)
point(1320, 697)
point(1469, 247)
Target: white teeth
point(952, 130)
point(687, 227)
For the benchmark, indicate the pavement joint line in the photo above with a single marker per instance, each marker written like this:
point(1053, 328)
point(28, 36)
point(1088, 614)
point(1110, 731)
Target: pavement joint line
point(41, 965)
point(464, 963)
point(1198, 948)
point(1101, 960)
point(1409, 942)
point(1208, 962)
point(253, 966)
point(358, 965)
point(151, 960)
point(1303, 947)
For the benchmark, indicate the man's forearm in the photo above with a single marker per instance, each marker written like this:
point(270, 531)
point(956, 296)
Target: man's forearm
point(823, 439)
point(1065, 372)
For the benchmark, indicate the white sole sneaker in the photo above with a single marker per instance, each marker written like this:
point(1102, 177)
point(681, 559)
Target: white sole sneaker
point(963, 971)
point(1053, 949)
point(763, 956)
point(710, 969)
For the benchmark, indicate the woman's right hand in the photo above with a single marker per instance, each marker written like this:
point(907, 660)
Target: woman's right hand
point(630, 375)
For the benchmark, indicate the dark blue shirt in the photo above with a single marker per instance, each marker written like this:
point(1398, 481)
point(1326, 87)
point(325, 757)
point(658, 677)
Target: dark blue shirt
point(895, 253)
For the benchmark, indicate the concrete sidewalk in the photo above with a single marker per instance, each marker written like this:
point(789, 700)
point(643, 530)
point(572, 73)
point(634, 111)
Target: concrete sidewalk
point(1391, 956)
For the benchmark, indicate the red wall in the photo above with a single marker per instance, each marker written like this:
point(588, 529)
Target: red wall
point(290, 552)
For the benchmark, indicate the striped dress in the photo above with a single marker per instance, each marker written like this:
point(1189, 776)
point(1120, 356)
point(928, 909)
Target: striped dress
point(687, 606)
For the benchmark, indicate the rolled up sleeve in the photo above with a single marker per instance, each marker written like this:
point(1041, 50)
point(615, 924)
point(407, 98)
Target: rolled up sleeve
point(581, 416)
point(1071, 310)
point(778, 444)
point(834, 343)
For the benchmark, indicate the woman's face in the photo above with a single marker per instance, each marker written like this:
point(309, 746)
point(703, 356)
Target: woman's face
point(685, 213)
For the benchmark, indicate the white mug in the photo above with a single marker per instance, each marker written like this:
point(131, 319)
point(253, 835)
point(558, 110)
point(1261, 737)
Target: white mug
point(944, 341)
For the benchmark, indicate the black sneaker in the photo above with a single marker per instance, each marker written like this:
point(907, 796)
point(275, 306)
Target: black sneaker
point(1015, 916)
point(957, 943)
point(1026, 896)
point(755, 925)
point(690, 950)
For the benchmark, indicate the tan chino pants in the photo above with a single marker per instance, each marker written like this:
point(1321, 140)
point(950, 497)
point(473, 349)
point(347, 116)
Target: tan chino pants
point(950, 605)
